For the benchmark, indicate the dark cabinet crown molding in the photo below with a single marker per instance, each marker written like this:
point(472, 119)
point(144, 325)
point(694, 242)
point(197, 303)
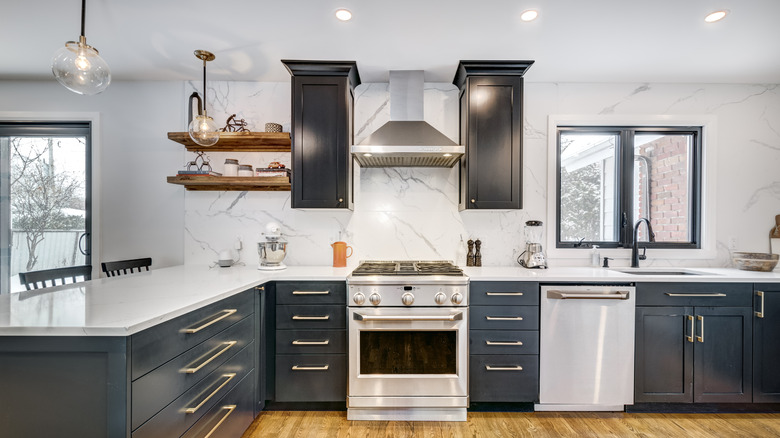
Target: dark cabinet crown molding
point(492, 68)
point(324, 68)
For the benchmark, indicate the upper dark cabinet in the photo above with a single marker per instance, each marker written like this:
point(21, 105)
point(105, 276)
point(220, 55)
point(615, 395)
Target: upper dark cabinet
point(322, 129)
point(491, 128)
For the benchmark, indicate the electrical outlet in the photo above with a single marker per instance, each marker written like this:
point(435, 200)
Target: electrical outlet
point(238, 245)
point(733, 243)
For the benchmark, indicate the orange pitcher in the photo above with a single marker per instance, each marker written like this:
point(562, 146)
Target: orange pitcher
point(340, 254)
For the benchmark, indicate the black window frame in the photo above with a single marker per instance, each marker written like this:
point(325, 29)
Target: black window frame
point(624, 185)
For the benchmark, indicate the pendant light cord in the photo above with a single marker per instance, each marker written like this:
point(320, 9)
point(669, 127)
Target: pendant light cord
point(83, 15)
point(204, 87)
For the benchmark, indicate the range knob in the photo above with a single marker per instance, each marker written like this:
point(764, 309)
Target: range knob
point(359, 298)
point(375, 299)
point(456, 298)
point(440, 298)
point(407, 299)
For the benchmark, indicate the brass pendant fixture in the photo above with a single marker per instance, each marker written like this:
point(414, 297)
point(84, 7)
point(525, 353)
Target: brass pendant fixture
point(203, 130)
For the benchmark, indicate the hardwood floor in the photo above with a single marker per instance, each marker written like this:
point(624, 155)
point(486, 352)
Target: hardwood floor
point(318, 424)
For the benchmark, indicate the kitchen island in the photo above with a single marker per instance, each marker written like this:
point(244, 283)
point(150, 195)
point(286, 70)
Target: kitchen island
point(98, 349)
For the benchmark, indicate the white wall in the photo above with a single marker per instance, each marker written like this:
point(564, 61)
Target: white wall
point(399, 213)
point(140, 215)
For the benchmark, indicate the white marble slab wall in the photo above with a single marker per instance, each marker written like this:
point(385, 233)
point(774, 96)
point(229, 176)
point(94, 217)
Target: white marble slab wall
point(405, 213)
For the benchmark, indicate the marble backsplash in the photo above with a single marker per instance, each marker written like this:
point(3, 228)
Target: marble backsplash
point(407, 213)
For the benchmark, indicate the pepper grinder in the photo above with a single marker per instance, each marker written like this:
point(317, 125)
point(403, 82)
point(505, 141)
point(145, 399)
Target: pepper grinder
point(470, 255)
point(478, 254)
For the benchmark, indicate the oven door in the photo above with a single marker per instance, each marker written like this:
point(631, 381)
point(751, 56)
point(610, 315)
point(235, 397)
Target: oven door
point(407, 353)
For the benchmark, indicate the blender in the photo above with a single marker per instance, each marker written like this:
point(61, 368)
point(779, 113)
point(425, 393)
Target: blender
point(533, 256)
point(273, 250)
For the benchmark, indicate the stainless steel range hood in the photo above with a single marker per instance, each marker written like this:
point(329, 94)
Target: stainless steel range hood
point(406, 140)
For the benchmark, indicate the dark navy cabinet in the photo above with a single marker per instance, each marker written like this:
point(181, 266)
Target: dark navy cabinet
point(503, 341)
point(694, 343)
point(766, 343)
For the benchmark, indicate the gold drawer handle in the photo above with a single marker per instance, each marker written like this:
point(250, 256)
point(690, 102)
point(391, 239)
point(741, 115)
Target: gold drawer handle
point(228, 345)
point(203, 402)
point(504, 294)
point(229, 409)
point(256, 288)
point(701, 338)
point(693, 329)
point(760, 314)
point(304, 368)
point(504, 318)
point(695, 295)
point(297, 342)
point(311, 292)
point(514, 368)
point(504, 342)
point(225, 313)
point(311, 318)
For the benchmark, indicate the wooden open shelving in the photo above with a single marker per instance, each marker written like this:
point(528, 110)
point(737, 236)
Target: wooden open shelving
point(232, 183)
point(239, 141)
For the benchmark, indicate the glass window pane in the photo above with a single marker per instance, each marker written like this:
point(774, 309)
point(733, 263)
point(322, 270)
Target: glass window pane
point(587, 201)
point(662, 173)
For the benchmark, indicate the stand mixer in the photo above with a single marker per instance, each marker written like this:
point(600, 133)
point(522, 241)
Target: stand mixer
point(273, 251)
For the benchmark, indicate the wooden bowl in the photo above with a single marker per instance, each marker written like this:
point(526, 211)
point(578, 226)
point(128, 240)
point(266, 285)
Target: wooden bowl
point(755, 261)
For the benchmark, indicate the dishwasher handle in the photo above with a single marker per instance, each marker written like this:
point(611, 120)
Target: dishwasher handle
point(576, 295)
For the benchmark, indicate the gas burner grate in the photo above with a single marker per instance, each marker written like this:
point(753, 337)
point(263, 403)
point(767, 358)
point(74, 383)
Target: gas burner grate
point(407, 268)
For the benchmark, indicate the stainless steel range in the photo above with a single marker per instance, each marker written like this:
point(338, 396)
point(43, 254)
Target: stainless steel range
point(408, 341)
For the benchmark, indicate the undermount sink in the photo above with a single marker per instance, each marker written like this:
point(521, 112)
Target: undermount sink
point(657, 271)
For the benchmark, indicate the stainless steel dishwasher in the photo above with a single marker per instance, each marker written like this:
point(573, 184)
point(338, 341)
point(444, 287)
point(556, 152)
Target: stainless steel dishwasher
point(586, 351)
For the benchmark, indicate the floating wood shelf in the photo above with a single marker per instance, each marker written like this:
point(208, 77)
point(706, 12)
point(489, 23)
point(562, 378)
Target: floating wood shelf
point(239, 141)
point(231, 183)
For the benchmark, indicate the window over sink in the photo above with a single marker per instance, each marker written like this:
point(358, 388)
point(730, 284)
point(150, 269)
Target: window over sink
point(609, 176)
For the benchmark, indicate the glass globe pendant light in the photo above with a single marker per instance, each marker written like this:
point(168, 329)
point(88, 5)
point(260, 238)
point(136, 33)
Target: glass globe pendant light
point(203, 130)
point(79, 67)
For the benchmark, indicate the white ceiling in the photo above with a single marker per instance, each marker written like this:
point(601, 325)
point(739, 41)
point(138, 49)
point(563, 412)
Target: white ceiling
point(571, 41)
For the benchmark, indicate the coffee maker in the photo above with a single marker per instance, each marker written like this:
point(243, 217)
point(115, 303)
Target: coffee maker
point(533, 256)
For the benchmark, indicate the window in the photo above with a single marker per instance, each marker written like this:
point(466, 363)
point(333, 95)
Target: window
point(45, 198)
point(610, 177)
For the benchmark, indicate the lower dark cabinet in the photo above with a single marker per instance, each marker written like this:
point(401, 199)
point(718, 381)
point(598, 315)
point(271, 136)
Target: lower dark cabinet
point(231, 416)
point(766, 344)
point(693, 354)
point(504, 378)
point(311, 378)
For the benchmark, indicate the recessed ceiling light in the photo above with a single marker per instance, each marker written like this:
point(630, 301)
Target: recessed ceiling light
point(529, 15)
point(447, 155)
point(367, 155)
point(344, 14)
point(715, 16)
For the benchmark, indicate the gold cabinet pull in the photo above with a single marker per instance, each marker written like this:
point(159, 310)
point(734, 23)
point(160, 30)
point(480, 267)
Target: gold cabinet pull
point(306, 368)
point(504, 318)
point(222, 314)
point(690, 338)
point(760, 313)
point(227, 346)
point(512, 294)
point(194, 409)
point(311, 318)
point(311, 292)
point(712, 295)
point(473, 200)
point(701, 338)
point(297, 342)
point(512, 368)
point(256, 288)
point(504, 342)
point(229, 409)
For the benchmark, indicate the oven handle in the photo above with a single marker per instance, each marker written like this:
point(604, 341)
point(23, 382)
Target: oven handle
point(361, 317)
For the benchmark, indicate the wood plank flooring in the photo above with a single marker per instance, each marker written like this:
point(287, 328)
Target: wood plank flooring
point(318, 424)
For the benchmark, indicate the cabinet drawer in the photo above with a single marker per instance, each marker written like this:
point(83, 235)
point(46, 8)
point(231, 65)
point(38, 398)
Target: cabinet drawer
point(311, 317)
point(183, 412)
point(156, 389)
point(159, 344)
point(311, 292)
point(304, 378)
point(311, 342)
point(504, 378)
point(694, 294)
point(230, 417)
point(494, 293)
point(503, 342)
point(504, 317)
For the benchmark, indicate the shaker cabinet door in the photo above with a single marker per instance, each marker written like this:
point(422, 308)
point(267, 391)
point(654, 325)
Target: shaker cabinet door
point(766, 348)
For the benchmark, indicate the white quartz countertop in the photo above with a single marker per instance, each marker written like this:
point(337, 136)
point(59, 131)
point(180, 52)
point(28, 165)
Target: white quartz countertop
point(122, 306)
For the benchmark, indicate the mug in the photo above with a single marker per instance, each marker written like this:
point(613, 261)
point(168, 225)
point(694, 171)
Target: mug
point(340, 254)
